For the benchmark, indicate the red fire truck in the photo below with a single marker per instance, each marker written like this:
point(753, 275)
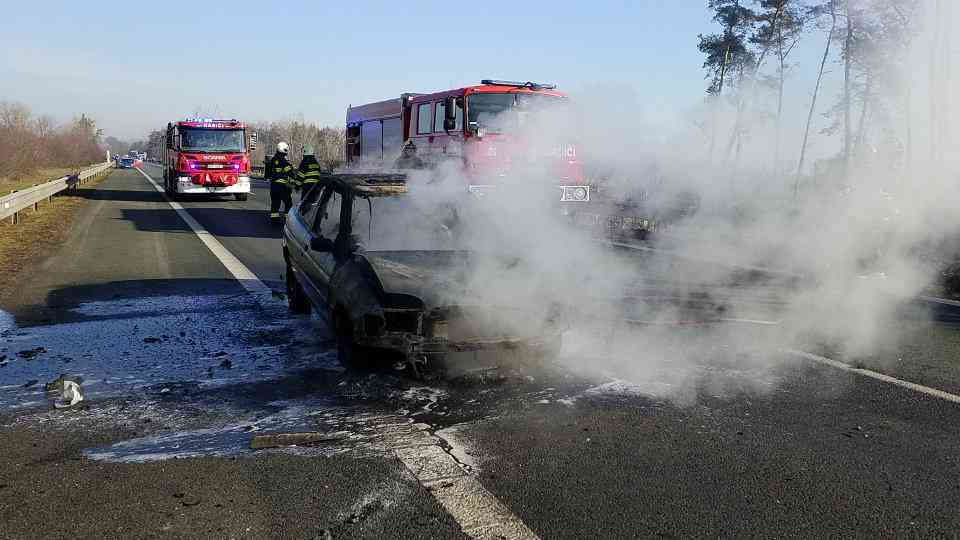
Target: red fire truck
point(206, 156)
point(425, 130)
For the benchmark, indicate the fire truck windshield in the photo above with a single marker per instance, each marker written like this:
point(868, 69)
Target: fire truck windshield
point(502, 112)
point(211, 140)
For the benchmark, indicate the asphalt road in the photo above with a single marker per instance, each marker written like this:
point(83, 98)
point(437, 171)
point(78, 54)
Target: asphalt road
point(708, 429)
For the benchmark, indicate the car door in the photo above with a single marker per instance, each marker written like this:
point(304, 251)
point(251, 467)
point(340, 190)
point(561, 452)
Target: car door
point(297, 232)
point(321, 264)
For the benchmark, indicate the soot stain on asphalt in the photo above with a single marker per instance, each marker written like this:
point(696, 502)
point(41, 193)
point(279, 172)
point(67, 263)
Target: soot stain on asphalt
point(200, 376)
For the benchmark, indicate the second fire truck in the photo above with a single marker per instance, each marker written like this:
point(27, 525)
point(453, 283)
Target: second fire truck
point(479, 128)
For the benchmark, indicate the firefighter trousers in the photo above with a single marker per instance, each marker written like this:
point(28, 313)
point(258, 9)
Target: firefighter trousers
point(280, 194)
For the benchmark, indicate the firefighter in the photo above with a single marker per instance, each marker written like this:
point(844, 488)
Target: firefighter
point(308, 173)
point(280, 174)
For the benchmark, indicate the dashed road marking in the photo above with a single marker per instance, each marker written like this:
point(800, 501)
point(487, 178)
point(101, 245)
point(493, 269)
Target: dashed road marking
point(946, 396)
point(477, 511)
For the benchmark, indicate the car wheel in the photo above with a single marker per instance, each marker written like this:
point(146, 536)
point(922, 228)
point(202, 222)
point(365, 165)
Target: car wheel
point(348, 352)
point(297, 300)
point(240, 196)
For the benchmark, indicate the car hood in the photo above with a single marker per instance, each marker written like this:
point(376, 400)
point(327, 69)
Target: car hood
point(436, 277)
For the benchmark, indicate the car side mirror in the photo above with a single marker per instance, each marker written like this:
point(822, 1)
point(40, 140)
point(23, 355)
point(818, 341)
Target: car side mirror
point(450, 114)
point(323, 245)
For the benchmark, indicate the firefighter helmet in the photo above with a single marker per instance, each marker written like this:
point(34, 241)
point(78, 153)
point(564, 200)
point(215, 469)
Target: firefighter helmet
point(308, 151)
point(283, 147)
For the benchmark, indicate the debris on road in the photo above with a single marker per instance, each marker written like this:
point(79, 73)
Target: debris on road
point(72, 394)
point(187, 500)
point(226, 364)
point(277, 440)
point(151, 339)
point(323, 535)
point(30, 354)
point(57, 384)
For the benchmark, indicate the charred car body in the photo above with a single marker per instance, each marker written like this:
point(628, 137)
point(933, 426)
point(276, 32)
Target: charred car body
point(380, 291)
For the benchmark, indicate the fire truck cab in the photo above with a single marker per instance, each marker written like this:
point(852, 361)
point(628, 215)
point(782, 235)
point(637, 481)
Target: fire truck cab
point(477, 128)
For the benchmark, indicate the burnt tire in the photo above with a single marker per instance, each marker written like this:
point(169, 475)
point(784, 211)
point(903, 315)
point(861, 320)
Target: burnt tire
point(240, 196)
point(349, 353)
point(297, 299)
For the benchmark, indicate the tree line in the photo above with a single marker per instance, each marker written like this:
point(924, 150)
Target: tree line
point(752, 53)
point(29, 143)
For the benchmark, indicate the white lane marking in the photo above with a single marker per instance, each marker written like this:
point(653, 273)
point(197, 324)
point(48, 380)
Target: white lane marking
point(240, 272)
point(946, 396)
point(751, 321)
point(477, 511)
point(936, 300)
point(696, 258)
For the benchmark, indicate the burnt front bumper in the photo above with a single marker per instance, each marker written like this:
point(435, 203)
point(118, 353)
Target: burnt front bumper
point(446, 340)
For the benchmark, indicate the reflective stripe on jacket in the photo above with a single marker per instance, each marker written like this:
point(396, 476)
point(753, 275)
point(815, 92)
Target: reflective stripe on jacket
point(309, 171)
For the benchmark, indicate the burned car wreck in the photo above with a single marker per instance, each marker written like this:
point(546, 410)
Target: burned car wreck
point(394, 284)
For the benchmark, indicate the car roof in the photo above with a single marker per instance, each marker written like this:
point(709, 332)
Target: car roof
point(380, 184)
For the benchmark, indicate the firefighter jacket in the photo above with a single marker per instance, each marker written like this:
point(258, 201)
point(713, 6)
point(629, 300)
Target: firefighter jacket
point(279, 170)
point(308, 173)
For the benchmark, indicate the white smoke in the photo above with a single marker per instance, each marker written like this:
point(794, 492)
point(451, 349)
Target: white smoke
point(831, 267)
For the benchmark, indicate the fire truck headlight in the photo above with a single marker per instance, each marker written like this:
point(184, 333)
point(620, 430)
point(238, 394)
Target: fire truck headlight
point(575, 194)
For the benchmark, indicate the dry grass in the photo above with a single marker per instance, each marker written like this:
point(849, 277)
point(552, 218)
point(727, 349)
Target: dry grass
point(38, 177)
point(36, 235)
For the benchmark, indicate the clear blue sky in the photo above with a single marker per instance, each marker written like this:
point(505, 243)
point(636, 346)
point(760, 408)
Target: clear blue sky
point(134, 66)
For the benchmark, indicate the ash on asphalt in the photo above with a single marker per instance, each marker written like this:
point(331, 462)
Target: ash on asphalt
point(201, 375)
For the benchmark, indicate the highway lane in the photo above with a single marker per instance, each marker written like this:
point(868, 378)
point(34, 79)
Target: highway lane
point(241, 226)
point(676, 431)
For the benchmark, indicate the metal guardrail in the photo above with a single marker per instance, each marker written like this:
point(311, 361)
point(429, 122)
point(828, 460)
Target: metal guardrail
point(11, 205)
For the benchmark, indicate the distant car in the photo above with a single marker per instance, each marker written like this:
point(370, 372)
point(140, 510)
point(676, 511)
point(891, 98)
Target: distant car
point(383, 294)
point(126, 163)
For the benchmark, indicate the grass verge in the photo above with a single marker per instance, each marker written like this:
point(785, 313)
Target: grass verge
point(37, 234)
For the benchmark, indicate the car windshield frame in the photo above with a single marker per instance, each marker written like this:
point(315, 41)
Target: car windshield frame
point(191, 137)
point(487, 108)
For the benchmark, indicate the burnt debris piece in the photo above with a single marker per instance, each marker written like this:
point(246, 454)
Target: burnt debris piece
point(278, 440)
point(30, 354)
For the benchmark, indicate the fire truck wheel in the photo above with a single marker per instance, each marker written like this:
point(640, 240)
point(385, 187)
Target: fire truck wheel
point(240, 196)
point(297, 300)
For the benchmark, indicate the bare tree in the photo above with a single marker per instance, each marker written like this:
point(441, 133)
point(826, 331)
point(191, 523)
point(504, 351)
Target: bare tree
point(780, 26)
point(27, 144)
point(829, 9)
